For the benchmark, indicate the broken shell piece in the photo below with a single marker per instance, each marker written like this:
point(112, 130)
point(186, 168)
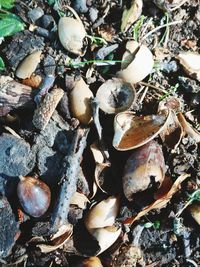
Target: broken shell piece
point(130, 15)
point(115, 96)
point(28, 65)
point(106, 236)
point(12, 95)
point(90, 262)
point(195, 212)
point(44, 112)
point(71, 34)
point(103, 214)
point(191, 64)
point(188, 129)
point(79, 200)
point(170, 102)
point(145, 166)
point(137, 63)
point(132, 131)
point(80, 102)
point(173, 131)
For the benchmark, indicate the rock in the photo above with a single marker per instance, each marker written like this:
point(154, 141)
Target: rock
point(49, 65)
point(80, 6)
point(16, 157)
point(35, 14)
point(9, 228)
point(47, 22)
point(42, 32)
point(93, 14)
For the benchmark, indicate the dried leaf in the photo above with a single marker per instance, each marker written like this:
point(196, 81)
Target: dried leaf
point(161, 202)
point(130, 15)
point(188, 129)
point(56, 241)
point(79, 200)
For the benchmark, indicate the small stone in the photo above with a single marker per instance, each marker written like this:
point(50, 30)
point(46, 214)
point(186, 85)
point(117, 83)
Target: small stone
point(35, 14)
point(9, 228)
point(16, 157)
point(42, 32)
point(93, 13)
point(47, 22)
point(80, 6)
point(49, 65)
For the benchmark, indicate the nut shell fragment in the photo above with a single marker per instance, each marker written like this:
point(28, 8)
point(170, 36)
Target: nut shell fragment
point(44, 112)
point(195, 212)
point(103, 214)
point(144, 166)
point(71, 34)
point(137, 63)
point(28, 65)
point(80, 102)
point(132, 131)
point(115, 96)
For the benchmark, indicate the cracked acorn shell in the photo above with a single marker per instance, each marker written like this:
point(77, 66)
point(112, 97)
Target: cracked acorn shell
point(71, 34)
point(103, 214)
point(132, 131)
point(144, 165)
point(137, 62)
point(90, 262)
point(28, 65)
point(115, 96)
point(80, 102)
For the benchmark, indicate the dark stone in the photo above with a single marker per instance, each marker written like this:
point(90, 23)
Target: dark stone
point(49, 65)
point(9, 228)
point(42, 32)
point(47, 22)
point(16, 157)
point(80, 6)
point(21, 45)
point(35, 14)
point(64, 106)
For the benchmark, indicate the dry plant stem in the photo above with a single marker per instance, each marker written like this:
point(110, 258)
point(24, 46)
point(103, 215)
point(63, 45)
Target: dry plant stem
point(73, 12)
point(154, 87)
point(71, 167)
point(160, 27)
point(143, 95)
point(176, 7)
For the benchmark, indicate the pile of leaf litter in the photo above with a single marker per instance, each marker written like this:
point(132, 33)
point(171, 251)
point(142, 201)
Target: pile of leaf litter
point(99, 133)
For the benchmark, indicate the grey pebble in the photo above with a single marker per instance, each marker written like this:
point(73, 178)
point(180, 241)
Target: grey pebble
point(35, 14)
point(93, 13)
point(47, 22)
point(80, 6)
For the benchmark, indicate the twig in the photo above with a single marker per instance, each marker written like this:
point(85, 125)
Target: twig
point(154, 87)
point(176, 7)
point(143, 95)
point(71, 167)
point(160, 27)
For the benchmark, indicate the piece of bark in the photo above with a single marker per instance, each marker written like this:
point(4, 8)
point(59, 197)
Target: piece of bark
point(12, 95)
point(44, 112)
point(9, 228)
point(71, 167)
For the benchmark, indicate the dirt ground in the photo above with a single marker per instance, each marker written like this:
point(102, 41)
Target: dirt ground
point(159, 238)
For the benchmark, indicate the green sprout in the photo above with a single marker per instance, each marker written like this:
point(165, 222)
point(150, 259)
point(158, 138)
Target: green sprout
point(136, 28)
point(171, 91)
point(155, 224)
point(97, 40)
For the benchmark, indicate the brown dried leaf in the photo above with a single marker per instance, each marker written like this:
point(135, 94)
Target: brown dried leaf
point(188, 129)
point(161, 202)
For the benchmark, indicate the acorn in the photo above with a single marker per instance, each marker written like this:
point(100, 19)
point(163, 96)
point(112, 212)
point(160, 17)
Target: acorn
point(34, 196)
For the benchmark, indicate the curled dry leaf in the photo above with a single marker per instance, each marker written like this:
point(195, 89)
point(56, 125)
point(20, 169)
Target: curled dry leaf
point(132, 131)
point(191, 64)
point(115, 96)
point(137, 63)
point(144, 166)
point(194, 210)
point(12, 95)
point(161, 202)
point(80, 104)
point(71, 34)
point(100, 166)
point(28, 65)
point(34, 81)
point(55, 242)
point(106, 236)
point(103, 214)
point(172, 133)
point(46, 108)
point(79, 200)
point(130, 15)
point(188, 129)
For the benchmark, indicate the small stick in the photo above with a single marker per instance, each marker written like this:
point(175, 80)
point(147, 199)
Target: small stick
point(176, 7)
point(71, 167)
point(154, 87)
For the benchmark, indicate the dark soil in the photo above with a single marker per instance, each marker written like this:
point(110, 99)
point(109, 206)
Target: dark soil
point(45, 152)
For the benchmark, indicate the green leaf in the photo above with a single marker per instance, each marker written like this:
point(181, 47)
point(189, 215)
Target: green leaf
point(148, 225)
point(7, 4)
point(2, 65)
point(9, 26)
point(51, 2)
point(9, 16)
